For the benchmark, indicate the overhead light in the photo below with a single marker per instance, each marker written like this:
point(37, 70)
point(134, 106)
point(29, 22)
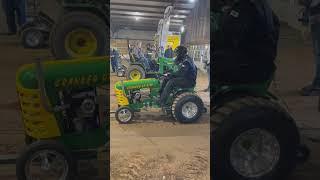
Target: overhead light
point(137, 13)
point(192, 1)
point(175, 16)
point(182, 29)
point(137, 18)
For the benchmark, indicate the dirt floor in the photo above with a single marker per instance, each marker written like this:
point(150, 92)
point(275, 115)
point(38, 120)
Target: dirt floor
point(155, 148)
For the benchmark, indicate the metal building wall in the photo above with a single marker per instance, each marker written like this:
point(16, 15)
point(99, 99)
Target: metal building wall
point(198, 24)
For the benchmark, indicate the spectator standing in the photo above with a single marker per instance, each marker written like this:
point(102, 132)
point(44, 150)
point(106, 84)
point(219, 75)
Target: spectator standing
point(13, 8)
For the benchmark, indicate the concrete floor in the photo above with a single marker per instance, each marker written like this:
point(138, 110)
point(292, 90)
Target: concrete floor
point(295, 70)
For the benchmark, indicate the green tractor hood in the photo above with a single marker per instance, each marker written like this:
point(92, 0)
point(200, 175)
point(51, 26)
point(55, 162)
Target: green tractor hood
point(69, 74)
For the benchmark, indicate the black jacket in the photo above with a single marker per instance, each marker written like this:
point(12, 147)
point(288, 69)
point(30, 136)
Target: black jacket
point(187, 70)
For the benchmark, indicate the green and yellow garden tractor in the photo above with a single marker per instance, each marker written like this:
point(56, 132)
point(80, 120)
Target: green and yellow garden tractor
point(133, 95)
point(63, 109)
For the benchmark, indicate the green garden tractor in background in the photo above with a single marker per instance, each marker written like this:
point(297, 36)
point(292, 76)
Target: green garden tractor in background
point(136, 70)
point(64, 114)
point(82, 30)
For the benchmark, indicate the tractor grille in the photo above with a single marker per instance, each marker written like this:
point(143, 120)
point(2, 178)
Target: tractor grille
point(121, 98)
point(38, 123)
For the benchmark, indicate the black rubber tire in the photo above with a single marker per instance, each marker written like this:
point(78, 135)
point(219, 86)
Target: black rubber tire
point(117, 115)
point(27, 32)
point(241, 115)
point(178, 103)
point(123, 71)
point(26, 26)
point(73, 20)
point(43, 145)
point(138, 68)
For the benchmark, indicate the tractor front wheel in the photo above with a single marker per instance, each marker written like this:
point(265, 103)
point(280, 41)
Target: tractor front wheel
point(121, 71)
point(124, 115)
point(253, 138)
point(32, 38)
point(43, 158)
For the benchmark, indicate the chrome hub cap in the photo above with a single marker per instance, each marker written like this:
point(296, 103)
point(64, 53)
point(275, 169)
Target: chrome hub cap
point(189, 110)
point(33, 38)
point(46, 164)
point(255, 153)
point(124, 115)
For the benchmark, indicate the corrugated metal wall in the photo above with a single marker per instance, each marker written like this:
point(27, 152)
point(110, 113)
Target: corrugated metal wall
point(198, 24)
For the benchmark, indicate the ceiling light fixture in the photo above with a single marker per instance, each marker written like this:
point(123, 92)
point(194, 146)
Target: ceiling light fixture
point(182, 29)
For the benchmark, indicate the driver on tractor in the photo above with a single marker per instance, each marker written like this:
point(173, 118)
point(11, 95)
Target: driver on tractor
point(185, 77)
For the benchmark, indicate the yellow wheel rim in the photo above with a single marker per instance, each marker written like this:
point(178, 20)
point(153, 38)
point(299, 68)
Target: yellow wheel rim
point(81, 43)
point(135, 75)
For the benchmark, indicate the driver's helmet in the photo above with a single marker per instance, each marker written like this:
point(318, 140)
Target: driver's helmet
point(180, 52)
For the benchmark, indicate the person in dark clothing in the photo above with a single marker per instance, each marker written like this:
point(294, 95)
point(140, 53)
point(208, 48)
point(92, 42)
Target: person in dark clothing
point(245, 41)
point(168, 52)
point(313, 18)
point(114, 60)
point(207, 67)
point(13, 8)
point(185, 77)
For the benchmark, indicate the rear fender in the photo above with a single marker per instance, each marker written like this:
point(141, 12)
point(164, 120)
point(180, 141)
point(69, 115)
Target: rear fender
point(137, 64)
point(227, 94)
point(94, 10)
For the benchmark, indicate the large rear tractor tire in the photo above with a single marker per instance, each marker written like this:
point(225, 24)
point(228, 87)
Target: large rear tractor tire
point(253, 139)
point(187, 108)
point(135, 72)
point(79, 34)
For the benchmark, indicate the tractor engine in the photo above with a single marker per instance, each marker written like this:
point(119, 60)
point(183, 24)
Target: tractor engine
point(55, 100)
point(135, 96)
point(81, 113)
